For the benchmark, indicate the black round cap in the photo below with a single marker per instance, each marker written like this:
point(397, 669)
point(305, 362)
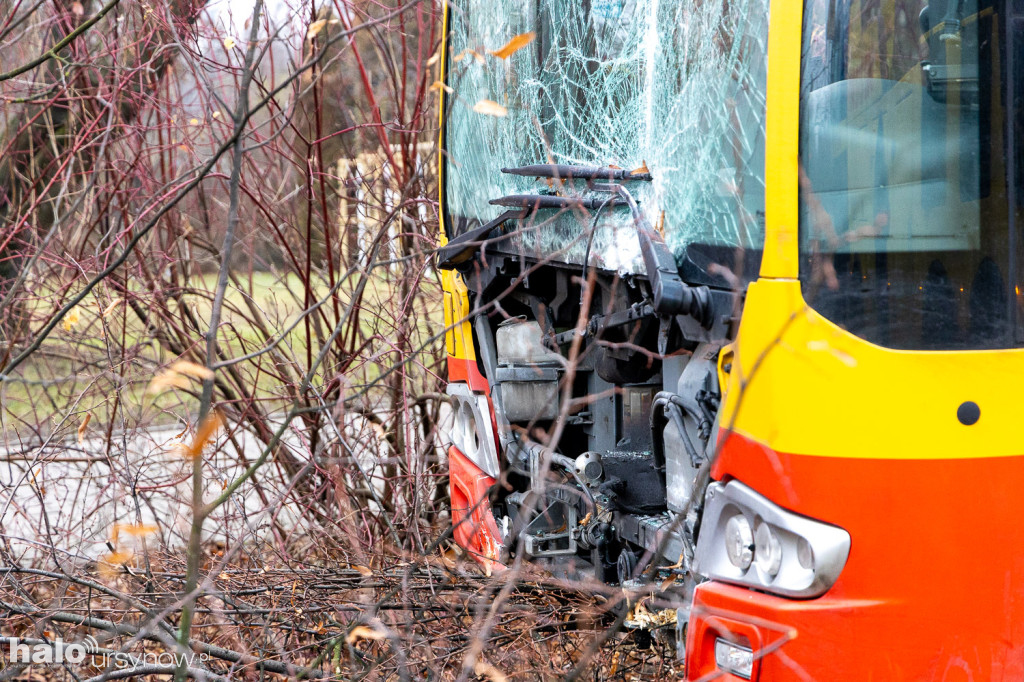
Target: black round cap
point(968, 413)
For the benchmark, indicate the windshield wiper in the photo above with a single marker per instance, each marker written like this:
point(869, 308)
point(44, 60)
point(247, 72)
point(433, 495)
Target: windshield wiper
point(568, 172)
point(533, 202)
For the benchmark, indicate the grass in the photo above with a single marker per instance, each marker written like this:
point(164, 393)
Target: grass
point(77, 371)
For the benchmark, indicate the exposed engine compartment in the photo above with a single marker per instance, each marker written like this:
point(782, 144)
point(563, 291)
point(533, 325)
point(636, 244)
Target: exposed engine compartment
point(605, 414)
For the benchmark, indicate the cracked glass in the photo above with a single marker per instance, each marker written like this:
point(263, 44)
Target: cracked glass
point(677, 88)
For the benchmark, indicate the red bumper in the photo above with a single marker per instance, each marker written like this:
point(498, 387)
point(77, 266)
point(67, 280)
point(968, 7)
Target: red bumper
point(474, 527)
point(933, 588)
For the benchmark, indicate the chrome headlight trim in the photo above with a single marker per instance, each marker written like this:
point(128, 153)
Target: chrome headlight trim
point(472, 428)
point(830, 545)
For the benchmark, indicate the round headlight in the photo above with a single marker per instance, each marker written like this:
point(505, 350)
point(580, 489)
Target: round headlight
point(767, 549)
point(739, 541)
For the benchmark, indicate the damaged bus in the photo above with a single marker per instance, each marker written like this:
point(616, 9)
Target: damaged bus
point(732, 289)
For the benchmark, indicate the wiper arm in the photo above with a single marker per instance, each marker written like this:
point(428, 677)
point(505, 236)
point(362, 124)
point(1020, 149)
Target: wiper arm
point(464, 247)
point(671, 294)
point(533, 202)
point(568, 172)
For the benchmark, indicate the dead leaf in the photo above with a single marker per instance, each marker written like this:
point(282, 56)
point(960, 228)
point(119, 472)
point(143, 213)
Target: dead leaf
point(363, 632)
point(642, 617)
point(660, 227)
point(191, 369)
point(434, 58)
point(229, 43)
point(485, 669)
point(165, 380)
point(315, 28)
point(77, 9)
point(517, 43)
point(110, 308)
point(139, 530)
point(490, 108)
point(83, 427)
point(204, 434)
point(71, 319)
point(112, 565)
point(438, 85)
point(469, 53)
point(363, 570)
point(641, 170)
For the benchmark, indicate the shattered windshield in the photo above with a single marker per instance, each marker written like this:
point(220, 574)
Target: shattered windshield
point(677, 88)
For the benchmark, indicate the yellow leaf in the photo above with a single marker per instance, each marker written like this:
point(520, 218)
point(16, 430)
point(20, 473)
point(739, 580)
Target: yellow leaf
point(315, 28)
point(118, 557)
point(71, 319)
point(191, 369)
point(229, 43)
point(112, 564)
point(517, 43)
point(83, 427)
point(363, 632)
point(485, 669)
point(615, 664)
point(216, 114)
point(139, 530)
point(438, 85)
point(204, 434)
point(193, 121)
point(434, 58)
point(469, 53)
point(166, 380)
point(660, 227)
point(489, 108)
point(641, 170)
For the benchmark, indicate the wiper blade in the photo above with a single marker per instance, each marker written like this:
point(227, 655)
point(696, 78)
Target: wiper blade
point(568, 172)
point(534, 202)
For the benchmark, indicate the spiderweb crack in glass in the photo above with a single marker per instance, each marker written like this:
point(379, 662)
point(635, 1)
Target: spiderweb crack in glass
point(679, 86)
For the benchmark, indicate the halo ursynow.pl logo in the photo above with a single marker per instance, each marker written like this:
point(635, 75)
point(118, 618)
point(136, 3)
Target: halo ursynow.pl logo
point(57, 651)
point(60, 652)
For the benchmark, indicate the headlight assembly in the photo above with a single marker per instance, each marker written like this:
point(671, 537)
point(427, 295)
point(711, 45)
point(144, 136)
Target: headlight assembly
point(472, 431)
point(748, 540)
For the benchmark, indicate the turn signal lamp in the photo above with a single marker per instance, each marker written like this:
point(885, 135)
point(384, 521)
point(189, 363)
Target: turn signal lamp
point(733, 658)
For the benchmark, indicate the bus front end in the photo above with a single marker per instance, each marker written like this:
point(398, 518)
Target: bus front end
point(733, 292)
